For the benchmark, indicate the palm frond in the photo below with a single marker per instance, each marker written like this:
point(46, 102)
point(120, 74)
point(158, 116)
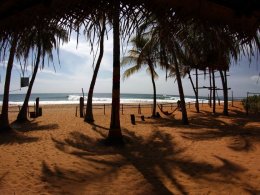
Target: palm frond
point(131, 71)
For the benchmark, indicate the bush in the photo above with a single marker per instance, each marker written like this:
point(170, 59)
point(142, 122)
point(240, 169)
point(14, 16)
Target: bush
point(253, 103)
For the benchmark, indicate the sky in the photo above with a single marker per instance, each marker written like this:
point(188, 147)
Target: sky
point(75, 70)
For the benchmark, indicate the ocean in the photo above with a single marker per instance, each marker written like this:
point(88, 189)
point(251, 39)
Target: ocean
point(98, 98)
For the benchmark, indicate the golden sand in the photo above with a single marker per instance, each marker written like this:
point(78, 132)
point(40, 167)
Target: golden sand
point(61, 154)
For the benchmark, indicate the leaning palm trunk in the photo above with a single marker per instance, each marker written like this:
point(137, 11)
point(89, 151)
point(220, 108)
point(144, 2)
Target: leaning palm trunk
point(4, 121)
point(154, 89)
point(225, 91)
point(115, 134)
point(89, 111)
point(185, 120)
point(22, 116)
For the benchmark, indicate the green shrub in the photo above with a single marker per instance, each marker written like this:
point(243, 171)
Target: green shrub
point(253, 103)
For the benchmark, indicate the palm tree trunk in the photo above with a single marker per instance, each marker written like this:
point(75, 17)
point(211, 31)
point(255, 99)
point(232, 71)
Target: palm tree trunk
point(4, 121)
point(225, 91)
point(197, 92)
point(185, 120)
point(210, 89)
point(214, 91)
point(154, 88)
point(22, 116)
point(89, 111)
point(115, 134)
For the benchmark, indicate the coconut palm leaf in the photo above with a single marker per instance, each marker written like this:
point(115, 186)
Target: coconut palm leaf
point(150, 72)
point(131, 71)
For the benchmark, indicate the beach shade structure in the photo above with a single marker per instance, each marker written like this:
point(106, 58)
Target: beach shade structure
point(24, 82)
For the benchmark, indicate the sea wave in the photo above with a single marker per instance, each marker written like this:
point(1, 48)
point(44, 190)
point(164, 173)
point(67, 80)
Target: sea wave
point(106, 99)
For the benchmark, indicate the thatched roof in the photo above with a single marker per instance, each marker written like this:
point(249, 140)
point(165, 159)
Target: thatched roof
point(241, 15)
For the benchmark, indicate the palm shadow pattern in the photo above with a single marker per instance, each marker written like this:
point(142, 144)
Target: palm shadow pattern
point(15, 137)
point(242, 136)
point(33, 126)
point(146, 155)
point(17, 134)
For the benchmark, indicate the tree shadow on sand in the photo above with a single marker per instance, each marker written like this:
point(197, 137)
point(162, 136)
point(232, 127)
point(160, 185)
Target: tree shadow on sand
point(208, 126)
point(157, 158)
point(14, 137)
point(33, 126)
point(242, 136)
point(16, 134)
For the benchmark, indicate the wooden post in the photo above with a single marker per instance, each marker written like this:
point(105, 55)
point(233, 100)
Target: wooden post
point(81, 107)
point(189, 104)
point(37, 107)
point(132, 119)
point(76, 114)
point(122, 107)
point(139, 109)
point(82, 93)
point(40, 111)
point(104, 109)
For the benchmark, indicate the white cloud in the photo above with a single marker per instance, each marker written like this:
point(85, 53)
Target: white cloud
point(82, 49)
point(51, 72)
point(255, 78)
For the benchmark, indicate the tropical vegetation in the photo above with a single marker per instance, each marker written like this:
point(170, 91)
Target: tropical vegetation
point(42, 41)
point(144, 54)
point(252, 104)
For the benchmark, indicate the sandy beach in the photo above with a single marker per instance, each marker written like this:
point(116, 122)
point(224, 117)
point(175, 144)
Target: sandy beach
point(59, 153)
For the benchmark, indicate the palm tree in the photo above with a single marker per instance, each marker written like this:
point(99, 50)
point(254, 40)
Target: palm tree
point(4, 120)
point(212, 48)
point(115, 135)
point(143, 54)
point(213, 90)
point(185, 120)
point(194, 87)
point(89, 111)
point(223, 75)
point(43, 40)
